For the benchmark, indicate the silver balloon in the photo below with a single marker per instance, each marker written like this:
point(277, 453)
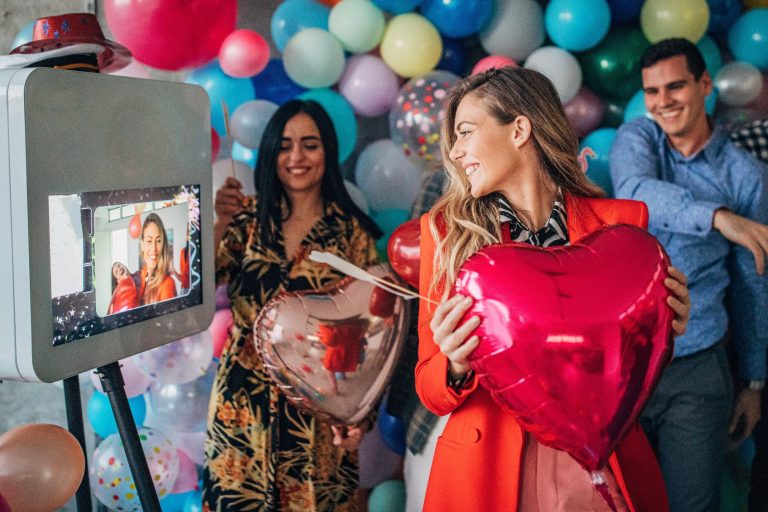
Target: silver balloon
point(249, 121)
point(333, 351)
point(738, 84)
point(182, 407)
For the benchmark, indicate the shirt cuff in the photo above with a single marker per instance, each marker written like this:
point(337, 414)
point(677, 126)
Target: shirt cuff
point(700, 217)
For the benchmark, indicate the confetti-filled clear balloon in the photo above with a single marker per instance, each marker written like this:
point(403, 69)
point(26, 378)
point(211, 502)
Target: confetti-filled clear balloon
point(182, 407)
point(415, 118)
point(178, 362)
point(111, 479)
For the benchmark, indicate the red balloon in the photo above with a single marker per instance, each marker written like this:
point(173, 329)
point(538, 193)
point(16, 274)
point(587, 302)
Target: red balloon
point(171, 34)
point(574, 340)
point(403, 251)
point(243, 53)
point(4, 506)
point(493, 61)
point(134, 226)
point(215, 145)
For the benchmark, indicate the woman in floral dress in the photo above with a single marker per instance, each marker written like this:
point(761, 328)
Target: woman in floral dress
point(261, 452)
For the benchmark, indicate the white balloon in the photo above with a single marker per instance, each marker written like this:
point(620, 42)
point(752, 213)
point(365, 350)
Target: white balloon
point(738, 84)
point(386, 177)
point(314, 58)
point(357, 196)
point(515, 30)
point(249, 121)
point(561, 67)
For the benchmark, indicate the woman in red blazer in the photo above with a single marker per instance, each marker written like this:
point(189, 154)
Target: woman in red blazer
point(512, 159)
point(156, 282)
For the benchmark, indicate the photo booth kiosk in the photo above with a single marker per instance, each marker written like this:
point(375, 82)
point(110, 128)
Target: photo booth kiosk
point(85, 159)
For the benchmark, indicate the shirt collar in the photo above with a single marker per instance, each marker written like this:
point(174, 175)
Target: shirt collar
point(710, 151)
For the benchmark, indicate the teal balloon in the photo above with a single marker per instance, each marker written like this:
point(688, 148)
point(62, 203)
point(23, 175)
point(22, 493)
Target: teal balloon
point(388, 221)
point(612, 68)
point(711, 53)
point(342, 115)
point(194, 501)
point(577, 25)
point(176, 502)
point(748, 38)
point(101, 418)
point(614, 111)
point(221, 87)
point(244, 154)
point(293, 16)
point(600, 141)
point(388, 496)
point(24, 36)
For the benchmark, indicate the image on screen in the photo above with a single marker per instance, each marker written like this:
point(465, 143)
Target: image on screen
point(122, 256)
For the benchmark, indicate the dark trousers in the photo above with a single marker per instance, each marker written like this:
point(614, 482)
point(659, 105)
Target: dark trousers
point(758, 484)
point(686, 420)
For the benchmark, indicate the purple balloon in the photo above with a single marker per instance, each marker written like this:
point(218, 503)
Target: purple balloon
point(585, 112)
point(377, 462)
point(222, 299)
point(369, 85)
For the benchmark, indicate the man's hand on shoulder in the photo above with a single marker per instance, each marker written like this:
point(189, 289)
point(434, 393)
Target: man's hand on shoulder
point(748, 233)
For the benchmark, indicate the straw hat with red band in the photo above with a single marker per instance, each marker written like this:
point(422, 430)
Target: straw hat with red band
point(54, 32)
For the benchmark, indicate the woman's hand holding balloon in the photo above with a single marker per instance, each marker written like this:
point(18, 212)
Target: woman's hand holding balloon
point(228, 203)
point(453, 342)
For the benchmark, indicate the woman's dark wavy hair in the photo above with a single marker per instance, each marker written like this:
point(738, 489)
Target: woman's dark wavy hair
point(270, 191)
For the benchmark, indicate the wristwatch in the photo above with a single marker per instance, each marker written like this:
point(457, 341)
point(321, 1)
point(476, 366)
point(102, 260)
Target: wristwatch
point(459, 383)
point(756, 385)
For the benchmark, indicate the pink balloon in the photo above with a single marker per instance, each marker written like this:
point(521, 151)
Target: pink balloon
point(585, 112)
point(369, 85)
point(191, 443)
point(215, 145)
point(187, 478)
point(219, 328)
point(493, 61)
point(171, 34)
point(591, 330)
point(136, 381)
point(243, 53)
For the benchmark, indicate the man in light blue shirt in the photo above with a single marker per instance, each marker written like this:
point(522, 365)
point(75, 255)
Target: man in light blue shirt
point(708, 205)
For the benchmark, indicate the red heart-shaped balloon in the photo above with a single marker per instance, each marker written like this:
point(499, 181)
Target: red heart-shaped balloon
point(403, 251)
point(573, 339)
point(332, 351)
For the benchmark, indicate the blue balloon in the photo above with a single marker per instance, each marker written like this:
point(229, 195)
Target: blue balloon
point(194, 501)
point(454, 57)
point(221, 87)
point(397, 6)
point(341, 114)
point(292, 16)
point(24, 36)
point(711, 53)
point(388, 496)
point(600, 141)
point(748, 38)
point(273, 84)
point(101, 418)
point(392, 430)
point(176, 502)
point(577, 25)
point(244, 154)
point(624, 10)
point(457, 18)
point(722, 14)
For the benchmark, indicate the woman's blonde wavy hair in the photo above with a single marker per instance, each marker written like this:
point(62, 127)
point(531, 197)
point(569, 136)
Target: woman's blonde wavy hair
point(164, 259)
point(462, 224)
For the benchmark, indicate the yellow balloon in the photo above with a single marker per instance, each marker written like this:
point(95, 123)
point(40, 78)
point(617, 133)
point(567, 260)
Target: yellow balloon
point(662, 19)
point(751, 4)
point(411, 45)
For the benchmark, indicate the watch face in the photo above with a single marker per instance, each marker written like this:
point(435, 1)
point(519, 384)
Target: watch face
point(756, 385)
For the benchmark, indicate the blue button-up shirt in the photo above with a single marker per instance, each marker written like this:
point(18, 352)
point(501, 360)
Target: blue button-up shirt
point(682, 194)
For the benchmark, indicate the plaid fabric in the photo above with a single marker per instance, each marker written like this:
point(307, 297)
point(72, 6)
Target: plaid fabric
point(753, 137)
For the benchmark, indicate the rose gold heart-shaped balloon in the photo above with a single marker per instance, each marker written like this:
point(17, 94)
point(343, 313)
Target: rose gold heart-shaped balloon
point(332, 351)
point(573, 339)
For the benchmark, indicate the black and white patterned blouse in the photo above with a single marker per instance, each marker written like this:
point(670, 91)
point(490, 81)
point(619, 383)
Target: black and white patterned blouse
point(554, 232)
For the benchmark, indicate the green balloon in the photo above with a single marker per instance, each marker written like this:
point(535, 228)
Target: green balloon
point(612, 68)
point(388, 496)
point(614, 111)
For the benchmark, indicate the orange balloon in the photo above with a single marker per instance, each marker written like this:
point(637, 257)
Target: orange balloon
point(330, 3)
point(41, 467)
point(134, 227)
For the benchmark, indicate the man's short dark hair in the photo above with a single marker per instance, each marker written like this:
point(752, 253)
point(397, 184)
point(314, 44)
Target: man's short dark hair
point(673, 47)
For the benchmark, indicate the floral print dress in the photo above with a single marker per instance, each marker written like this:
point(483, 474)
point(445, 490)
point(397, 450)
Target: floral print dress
point(261, 453)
